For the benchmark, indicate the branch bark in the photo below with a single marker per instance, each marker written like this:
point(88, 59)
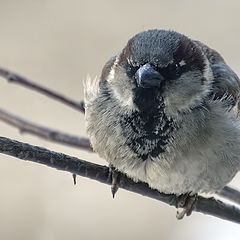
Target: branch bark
point(100, 173)
point(230, 194)
point(44, 132)
point(15, 78)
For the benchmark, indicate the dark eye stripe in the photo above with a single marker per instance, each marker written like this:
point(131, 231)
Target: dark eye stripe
point(173, 71)
point(131, 70)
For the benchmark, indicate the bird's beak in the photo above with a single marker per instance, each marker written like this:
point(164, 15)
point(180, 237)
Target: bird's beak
point(148, 77)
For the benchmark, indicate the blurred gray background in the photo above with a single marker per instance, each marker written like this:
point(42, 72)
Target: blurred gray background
point(57, 43)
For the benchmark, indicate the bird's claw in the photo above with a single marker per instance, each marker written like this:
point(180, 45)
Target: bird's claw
point(115, 178)
point(187, 202)
point(74, 178)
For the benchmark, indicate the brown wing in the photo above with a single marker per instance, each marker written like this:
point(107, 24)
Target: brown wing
point(226, 83)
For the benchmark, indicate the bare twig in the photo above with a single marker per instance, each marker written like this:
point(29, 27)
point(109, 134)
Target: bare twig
point(230, 194)
point(44, 132)
point(100, 173)
point(15, 78)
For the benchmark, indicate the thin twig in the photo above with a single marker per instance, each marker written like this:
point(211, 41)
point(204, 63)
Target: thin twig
point(100, 173)
point(230, 194)
point(15, 78)
point(44, 132)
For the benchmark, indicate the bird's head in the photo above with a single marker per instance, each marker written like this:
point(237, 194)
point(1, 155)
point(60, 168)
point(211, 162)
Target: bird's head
point(159, 65)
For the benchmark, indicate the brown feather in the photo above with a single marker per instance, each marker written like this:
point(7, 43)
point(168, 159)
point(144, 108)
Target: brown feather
point(226, 83)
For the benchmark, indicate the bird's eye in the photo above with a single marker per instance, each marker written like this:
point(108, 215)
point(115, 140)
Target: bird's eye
point(172, 71)
point(131, 70)
point(174, 68)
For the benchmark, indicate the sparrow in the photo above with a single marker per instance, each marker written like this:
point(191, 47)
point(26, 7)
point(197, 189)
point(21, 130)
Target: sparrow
point(165, 112)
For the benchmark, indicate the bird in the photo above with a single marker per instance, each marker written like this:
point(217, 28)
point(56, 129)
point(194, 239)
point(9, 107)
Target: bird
point(165, 112)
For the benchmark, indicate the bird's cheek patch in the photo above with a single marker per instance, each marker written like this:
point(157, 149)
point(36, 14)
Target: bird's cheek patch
point(184, 92)
point(121, 88)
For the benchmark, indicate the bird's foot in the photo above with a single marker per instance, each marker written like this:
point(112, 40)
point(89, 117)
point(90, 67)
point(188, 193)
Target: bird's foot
point(187, 202)
point(115, 176)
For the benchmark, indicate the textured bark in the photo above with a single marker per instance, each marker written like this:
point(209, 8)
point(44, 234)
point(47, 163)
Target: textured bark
point(100, 173)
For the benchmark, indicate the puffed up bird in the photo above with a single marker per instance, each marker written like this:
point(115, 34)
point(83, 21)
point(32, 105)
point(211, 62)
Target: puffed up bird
point(165, 112)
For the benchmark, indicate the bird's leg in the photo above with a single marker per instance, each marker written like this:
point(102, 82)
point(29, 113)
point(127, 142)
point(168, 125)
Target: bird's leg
point(187, 202)
point(115, 177)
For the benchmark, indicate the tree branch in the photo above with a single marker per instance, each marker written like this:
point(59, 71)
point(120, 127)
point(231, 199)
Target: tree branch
point(44, 132)
point(100, 173)
point(15, 78)
point(230, 194)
